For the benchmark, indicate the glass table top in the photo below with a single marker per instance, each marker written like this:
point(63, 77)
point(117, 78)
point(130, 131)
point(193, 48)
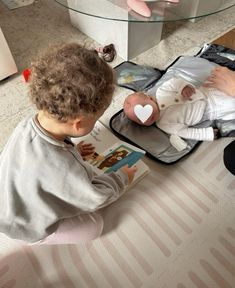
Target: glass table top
point(161, 11)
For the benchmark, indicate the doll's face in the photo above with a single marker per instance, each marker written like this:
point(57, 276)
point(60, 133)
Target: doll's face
point(142, 101)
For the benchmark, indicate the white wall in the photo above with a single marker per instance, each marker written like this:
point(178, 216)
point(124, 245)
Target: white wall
point(7, 63)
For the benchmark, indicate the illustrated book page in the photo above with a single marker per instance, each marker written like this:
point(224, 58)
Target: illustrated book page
point(111, 153)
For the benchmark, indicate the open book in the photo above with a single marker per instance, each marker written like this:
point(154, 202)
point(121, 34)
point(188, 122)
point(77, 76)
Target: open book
point(111, 153)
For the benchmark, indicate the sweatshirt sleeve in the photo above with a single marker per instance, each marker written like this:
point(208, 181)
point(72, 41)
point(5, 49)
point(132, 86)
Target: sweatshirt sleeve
point(77, 185)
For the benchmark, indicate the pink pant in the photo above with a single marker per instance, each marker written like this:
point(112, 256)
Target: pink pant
point(79, 229)
point(74, 230)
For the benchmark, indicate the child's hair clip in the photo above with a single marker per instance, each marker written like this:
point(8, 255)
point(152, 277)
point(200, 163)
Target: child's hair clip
point(26, 73)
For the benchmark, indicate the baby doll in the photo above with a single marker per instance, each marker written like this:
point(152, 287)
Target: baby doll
point(179, 106)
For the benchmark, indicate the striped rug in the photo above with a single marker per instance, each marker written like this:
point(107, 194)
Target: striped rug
point(174, 229)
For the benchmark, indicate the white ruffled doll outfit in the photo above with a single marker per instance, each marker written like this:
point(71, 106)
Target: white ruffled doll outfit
point(177, 116)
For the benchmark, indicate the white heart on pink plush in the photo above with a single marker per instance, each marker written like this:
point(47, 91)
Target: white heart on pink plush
point(143, 112)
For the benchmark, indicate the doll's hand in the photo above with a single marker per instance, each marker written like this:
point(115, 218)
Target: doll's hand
point(130, 172)
point(85, 148)
point(187, 92)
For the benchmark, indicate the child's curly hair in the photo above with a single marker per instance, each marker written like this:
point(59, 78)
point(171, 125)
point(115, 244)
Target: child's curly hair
point(69, 80)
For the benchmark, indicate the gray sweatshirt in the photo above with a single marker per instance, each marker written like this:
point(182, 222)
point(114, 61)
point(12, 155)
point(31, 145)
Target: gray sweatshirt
point(44, 180)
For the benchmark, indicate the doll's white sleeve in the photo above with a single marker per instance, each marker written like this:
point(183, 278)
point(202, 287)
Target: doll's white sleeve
point(199, 134)
point(182, 130)
point(175, 85)
point(169, 93)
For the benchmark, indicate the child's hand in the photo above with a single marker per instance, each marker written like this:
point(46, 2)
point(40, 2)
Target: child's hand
point(85, 148)
point(130, 172)
point(187, 92)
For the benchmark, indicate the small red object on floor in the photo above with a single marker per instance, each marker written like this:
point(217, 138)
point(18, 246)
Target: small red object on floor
point(26, 73)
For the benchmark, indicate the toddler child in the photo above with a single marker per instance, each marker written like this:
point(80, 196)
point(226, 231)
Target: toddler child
point(44, 180)
point(178, 106)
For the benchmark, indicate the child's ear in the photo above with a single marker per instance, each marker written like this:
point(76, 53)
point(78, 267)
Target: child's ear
point(77, 124)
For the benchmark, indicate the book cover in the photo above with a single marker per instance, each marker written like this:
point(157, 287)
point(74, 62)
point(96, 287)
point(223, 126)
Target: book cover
point(111, 153)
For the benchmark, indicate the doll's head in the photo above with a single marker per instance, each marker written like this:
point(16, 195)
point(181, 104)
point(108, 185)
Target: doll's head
point(141, 108)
